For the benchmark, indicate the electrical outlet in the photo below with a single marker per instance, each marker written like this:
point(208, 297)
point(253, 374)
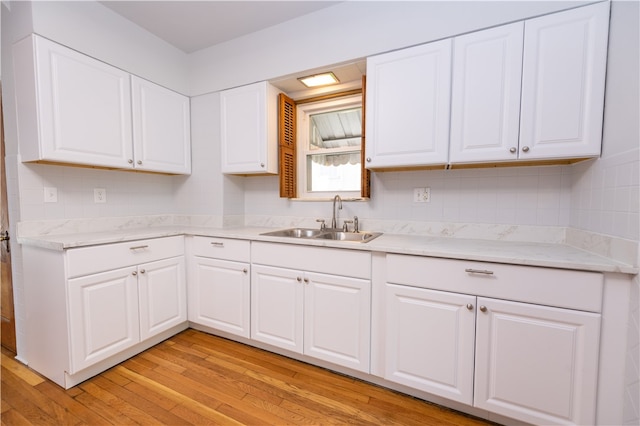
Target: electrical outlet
point(421, 195)
point(50, 195)
point(99, 195)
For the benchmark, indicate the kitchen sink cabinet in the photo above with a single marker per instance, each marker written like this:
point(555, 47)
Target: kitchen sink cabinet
point(310, 311)
point(248, 129)
point(219, 284)
point(451, 333)
point(92, 307)
point(74, 109)
point(407, 106)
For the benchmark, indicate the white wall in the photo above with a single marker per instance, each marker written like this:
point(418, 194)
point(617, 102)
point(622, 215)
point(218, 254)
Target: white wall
point(346, 32)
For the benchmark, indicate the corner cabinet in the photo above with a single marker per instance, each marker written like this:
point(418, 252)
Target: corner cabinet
point(248, 129)
point(407, 106)
point(92, 307)
point(219, 284)
point(74, 109)
point(319, 309)
point(464, 331)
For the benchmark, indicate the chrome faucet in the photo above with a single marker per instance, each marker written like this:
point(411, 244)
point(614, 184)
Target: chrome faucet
point(333, 219)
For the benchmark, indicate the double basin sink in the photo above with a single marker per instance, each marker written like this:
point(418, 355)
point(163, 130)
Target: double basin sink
point(324, 234)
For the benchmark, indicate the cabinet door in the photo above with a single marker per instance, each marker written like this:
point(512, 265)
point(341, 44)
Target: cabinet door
point(277, 297)
point(429, 341)
point(163, 296)
point(161, 128)
point(565, 56)
point(219, 295)
point(82, 106)
point(337, 319)
point(103, 316)
point(407, 106)
point(485, 103)
point(248, 123)
point(535, 363)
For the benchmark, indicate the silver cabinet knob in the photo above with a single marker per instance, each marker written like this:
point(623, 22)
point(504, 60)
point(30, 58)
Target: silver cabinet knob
point(134, 273)
point(469, 306)
point(262, 165)
point(245, 270)
point(513, 150)
point(368, 159)
point(483, 308)
point(130, 161)
point(306, 280)
point(139, 162)
point(299, 279)
point(525, 149)
point(142, 271)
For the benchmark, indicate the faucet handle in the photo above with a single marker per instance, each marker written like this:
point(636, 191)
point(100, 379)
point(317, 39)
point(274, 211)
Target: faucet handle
point(322, 225)
point(345, 225)
point(356, 227)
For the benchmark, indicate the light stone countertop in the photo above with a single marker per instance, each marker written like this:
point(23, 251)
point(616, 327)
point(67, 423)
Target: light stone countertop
point(510, 252)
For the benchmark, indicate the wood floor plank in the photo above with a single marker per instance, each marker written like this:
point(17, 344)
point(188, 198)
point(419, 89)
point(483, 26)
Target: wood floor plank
point(21, 395)
point(67, 400)
point(20, 370)
point(147, 408)
point(195, 378)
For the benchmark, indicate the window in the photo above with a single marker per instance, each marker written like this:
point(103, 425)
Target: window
point(321, 148)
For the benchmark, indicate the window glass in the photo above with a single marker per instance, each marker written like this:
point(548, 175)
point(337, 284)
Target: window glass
point(329, 148)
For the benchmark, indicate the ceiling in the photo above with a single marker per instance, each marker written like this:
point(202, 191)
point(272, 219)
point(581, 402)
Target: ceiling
point(195, 25)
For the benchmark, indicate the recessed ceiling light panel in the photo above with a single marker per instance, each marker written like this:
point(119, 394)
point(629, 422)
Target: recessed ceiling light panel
point(316, 80)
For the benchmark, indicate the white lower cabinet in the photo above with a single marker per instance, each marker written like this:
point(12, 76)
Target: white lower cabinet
point(536, 363)
point(533, 358)
point(219, 284)
point(430, 341)
point(112, 311)
point(103, 312)
point(92, 307)
point(325, 316)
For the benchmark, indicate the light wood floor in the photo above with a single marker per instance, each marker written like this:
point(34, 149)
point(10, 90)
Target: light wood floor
point(196, 378)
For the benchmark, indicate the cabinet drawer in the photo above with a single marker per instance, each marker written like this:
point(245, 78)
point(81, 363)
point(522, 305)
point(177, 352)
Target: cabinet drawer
point(348, 263)
point(545, 286)
point(89, 260)
point(222, 248)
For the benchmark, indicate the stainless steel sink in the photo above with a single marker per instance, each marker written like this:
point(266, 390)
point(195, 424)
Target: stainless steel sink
point(294, 233)
point(359, 237)
point(324, 234)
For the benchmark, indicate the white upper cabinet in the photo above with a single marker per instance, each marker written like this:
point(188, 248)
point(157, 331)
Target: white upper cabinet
point(407, 106)
point(248, 129)
point(161, 128)
point(74, 109)
point(565, 58)
point(485, 103)
point(71, 108)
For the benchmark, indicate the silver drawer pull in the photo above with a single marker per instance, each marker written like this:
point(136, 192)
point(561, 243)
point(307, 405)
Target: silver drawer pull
point(217, 244)
point(138, 247)
point(478, 271)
